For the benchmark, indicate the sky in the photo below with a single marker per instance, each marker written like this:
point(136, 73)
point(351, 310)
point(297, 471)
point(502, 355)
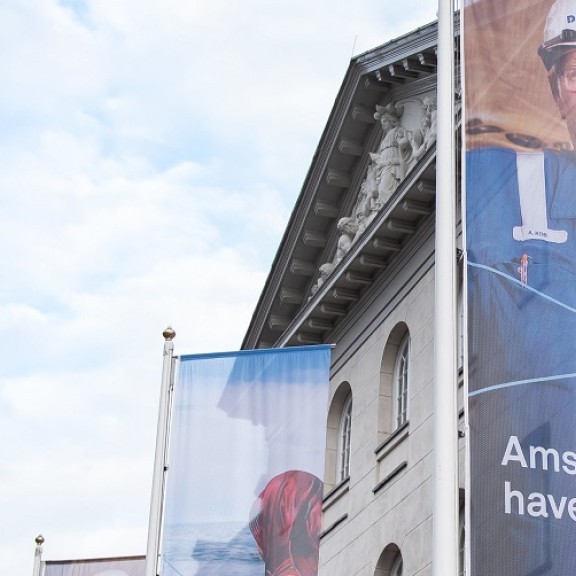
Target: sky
point(150, 155)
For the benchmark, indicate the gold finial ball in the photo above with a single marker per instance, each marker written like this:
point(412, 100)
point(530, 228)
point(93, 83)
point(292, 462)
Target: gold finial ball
point(169, 334)
point(39, 539)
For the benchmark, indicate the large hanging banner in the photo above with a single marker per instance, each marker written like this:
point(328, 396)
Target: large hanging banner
point(247, 446)
point(520, 125)
point(125, 566)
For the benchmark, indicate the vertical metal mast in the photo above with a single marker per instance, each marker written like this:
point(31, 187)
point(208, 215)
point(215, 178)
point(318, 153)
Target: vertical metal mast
point(445, 506)
point(37, 570)
point(157, 497)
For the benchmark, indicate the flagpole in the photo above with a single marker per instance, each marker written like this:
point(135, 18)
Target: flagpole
point(445, 508)
point(37, 570)
point(156, 500)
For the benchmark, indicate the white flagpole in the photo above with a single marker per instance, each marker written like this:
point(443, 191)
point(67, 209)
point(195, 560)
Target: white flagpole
point(37, 570)
point(445, 506)
point(157, 497)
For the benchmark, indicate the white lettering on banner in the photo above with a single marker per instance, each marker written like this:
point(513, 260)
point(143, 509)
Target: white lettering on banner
point(547, 460)
point(517, 456)
point(539, 457)
point(537, 504)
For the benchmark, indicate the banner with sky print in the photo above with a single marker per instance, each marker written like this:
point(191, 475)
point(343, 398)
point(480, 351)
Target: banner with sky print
point(520, 129)
point(126, 566)
point(247, 445)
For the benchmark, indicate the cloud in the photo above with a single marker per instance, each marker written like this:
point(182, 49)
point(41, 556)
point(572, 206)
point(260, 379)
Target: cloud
point(149, 160)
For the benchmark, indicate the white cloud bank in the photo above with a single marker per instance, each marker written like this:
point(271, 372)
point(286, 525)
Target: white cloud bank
point(150, 156)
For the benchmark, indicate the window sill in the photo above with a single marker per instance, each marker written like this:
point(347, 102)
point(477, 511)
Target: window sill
point(335, 525)
point(390, 477)
point(392, 441)
point(336, 493)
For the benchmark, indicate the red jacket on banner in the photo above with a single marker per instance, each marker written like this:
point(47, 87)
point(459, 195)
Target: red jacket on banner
point(286, 524)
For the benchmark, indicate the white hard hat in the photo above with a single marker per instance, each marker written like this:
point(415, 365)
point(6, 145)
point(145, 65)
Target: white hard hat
point(559, 32)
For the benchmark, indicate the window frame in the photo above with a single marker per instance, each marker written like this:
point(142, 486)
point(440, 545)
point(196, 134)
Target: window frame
point(401, 384)
point(344, 441)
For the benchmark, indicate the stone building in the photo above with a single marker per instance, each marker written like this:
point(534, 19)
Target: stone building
point(355, 268)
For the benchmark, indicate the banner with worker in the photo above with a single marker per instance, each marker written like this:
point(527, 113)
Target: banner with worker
point(520, 131)
point(247, 444)
point(123, 566)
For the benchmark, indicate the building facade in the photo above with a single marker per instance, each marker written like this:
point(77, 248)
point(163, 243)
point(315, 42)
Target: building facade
point(355, 268)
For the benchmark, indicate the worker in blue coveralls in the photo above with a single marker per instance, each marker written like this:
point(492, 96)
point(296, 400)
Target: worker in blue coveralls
point(521, 251)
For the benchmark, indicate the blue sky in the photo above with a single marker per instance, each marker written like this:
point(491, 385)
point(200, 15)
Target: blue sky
point(150, 155)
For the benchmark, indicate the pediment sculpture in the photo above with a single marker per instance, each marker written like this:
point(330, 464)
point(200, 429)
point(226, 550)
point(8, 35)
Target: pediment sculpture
point(399, 150)
point(425, 136)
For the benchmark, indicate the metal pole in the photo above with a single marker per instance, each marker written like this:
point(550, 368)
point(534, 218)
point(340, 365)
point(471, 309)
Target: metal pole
point(445, 506)
point(157, 497)
point(37, 570)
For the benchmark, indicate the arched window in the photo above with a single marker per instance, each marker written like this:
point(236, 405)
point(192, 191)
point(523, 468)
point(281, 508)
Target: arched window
point(394, 382)
point(390, 562)
point(344, 437)
point(401, 384)
point(338, 437)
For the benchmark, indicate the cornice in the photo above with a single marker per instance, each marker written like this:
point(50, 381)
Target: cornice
point(406, 250)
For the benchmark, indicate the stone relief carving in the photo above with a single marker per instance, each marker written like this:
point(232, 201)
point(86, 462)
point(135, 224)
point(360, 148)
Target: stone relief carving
point(398, 152)
point(368, 203)
point(348, 226)
point(423, 138)
point(325, 271)
point(394, 153)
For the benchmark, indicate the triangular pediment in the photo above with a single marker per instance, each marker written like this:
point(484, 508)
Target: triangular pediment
point(366, 198)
